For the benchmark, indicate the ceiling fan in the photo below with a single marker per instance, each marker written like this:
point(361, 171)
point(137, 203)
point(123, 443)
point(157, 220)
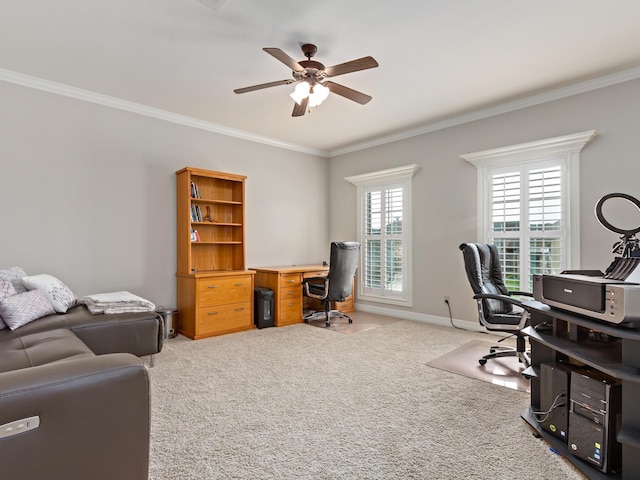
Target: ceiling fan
point(311, 77)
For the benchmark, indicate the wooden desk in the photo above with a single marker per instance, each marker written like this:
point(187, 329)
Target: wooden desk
point(288, 299)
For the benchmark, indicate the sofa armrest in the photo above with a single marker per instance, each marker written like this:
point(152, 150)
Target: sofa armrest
point(94, 420)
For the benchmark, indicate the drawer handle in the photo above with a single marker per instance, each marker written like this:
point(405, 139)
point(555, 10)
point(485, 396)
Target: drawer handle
point(290, 304)
point(238, 284)
point(212, 313)
point(239, 309)
point(291, 281)
point(212, 286)
point(289, 292)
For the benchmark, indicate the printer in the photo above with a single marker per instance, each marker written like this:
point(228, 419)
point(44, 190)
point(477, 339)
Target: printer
point(613, 296)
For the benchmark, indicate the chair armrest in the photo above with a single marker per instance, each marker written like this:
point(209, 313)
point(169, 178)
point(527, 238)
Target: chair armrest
point(310, 280)
point(521, 294)
point(92, 411)
point(503, 298)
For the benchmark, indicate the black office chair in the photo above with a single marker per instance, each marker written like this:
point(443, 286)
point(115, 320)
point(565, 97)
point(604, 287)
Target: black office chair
point(337, 285)
point(496, 310)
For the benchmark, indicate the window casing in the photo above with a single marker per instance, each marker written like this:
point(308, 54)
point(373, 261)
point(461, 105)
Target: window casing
point(384, 231)
point(528, 205)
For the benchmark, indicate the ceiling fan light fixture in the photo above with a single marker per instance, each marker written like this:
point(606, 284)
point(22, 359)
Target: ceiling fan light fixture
point(319, 94)
point(311, 88)
point(300, 92)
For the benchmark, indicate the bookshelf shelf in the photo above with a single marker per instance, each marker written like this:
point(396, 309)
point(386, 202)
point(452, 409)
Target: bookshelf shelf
point(216, 243)
point(220, 224)
point(220, 202)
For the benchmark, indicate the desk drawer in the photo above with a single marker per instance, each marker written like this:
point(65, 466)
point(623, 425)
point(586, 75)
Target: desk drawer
point(319, 273)
point(290, 291)
point(290, 310)
point(224, 317)
point(224, 290)
point(290, 280)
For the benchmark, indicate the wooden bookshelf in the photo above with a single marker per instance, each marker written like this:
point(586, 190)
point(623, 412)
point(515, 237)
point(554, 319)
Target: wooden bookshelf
point(215, 290)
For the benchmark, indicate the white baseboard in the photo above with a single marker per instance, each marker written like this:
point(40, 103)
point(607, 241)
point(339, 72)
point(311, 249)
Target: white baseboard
point(419, 317)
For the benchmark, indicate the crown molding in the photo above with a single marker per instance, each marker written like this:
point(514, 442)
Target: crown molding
point(530, 101)
point(145, 110)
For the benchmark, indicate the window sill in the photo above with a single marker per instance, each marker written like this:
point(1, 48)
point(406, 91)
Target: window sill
point(386, 300)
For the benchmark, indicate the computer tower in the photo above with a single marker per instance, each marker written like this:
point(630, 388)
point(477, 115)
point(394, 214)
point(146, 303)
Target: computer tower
point(263, 307)
point(594, 419)
point(554, 398)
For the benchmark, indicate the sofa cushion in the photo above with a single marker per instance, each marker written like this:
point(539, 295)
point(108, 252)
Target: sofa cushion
point(137, 333)
point(20, 309)
point(60, 296)
point(6, 290)
point(17, 352)
point(14, 275)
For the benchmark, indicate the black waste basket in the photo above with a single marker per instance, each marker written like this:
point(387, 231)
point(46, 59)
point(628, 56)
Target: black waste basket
point(170, 317)
point(263, 307)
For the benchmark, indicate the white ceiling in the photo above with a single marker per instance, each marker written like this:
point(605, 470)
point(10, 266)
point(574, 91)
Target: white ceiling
point(438, 59)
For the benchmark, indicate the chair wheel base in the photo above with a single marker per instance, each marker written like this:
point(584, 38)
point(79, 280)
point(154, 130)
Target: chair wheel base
point(482, 361)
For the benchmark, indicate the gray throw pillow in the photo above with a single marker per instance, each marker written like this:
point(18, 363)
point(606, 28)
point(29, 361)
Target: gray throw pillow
point(18, 310)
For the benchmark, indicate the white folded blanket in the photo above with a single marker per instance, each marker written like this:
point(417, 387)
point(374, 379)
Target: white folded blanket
point(117, 302)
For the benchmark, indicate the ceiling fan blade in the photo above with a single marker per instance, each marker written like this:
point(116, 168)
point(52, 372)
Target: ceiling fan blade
point(352, 66)
point(299, 110)
point(284, 58)
point(347, 92)
point(263, 85)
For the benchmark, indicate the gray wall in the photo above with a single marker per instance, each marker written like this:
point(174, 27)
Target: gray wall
point(88, 194)
point(444, 189)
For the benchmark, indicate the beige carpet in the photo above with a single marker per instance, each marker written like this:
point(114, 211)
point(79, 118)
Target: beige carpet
point(308, 403)
point(365, 321)
point(505, 371)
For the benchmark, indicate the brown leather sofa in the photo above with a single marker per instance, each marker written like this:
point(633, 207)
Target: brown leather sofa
point(77, 376)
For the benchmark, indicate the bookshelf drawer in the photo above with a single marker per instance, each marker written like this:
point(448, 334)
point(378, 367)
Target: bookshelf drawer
point(220, 291)
point(224, 317)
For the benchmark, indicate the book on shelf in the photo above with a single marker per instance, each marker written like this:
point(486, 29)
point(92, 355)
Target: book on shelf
point(196, 213)
point(195, 190)
point(195, 236)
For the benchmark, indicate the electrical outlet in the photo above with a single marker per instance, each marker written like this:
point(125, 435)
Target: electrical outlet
point(446, 299)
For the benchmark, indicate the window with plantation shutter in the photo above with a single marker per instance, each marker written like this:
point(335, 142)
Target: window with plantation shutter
point(384, 221)
point(528, 206)
point(384, 257)
point(527, 220)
